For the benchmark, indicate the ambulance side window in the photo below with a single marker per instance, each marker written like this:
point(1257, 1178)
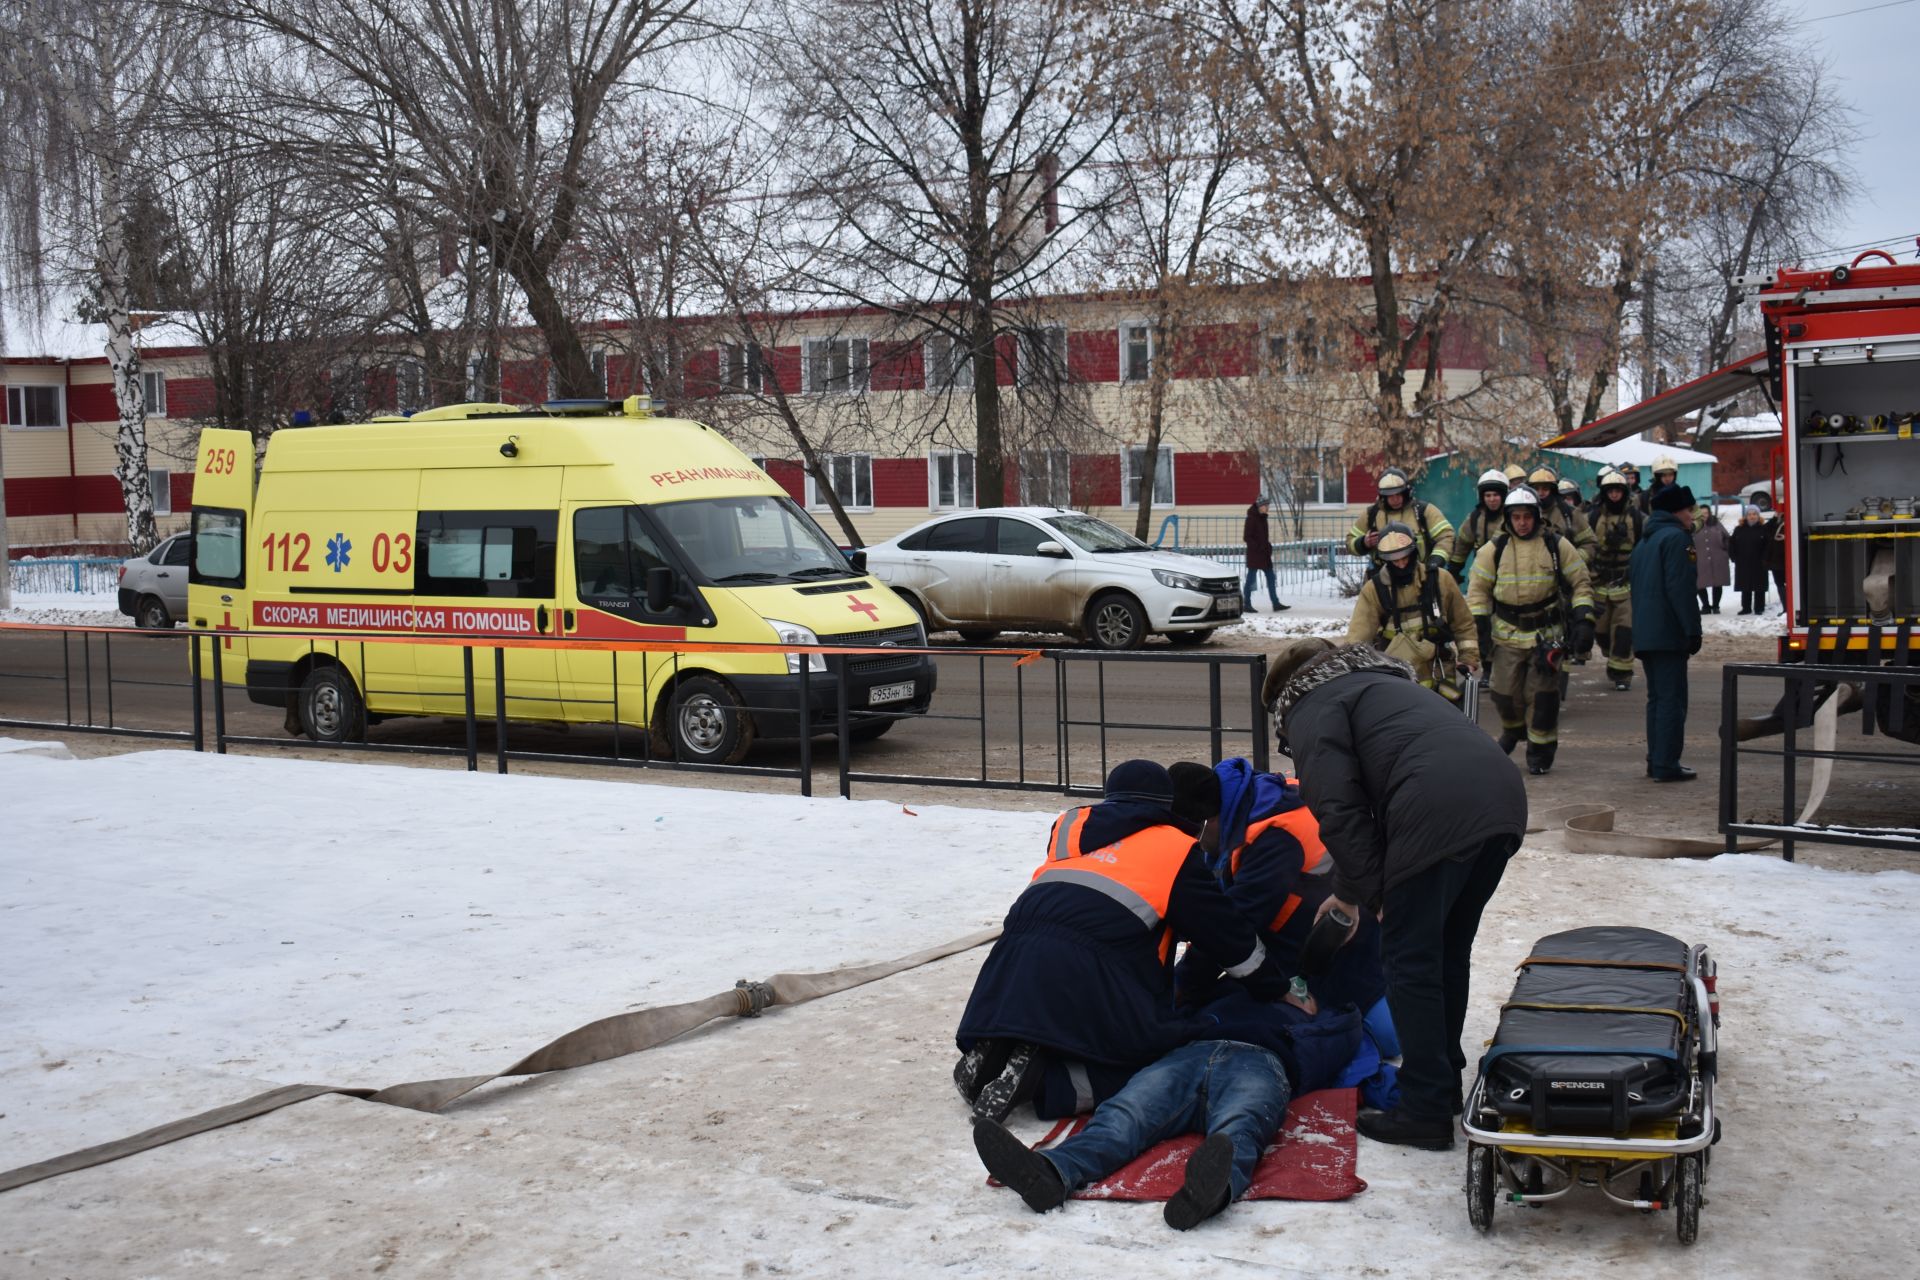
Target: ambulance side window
point(499, 554)
point(612, 551)
point(219, 548)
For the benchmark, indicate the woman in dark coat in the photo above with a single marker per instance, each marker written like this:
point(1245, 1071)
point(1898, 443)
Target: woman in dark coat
point(1777, 555)
point(1259, 539)
point(1748, 549)
point(1712, 569)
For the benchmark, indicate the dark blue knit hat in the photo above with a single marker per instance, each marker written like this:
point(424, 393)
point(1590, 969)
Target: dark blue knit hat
point(1140, 781)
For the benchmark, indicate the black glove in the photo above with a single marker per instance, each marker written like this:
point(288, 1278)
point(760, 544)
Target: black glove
point(1484, 626)
point(1437, 562)
point(1693, 646)
point(1581, 640)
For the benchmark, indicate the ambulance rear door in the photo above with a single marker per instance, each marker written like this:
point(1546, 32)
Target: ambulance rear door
point(222, 523)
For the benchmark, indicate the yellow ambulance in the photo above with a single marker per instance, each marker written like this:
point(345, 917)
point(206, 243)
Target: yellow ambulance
point(592, 521)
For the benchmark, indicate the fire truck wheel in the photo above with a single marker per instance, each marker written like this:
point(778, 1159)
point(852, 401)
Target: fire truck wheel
point(330, 707)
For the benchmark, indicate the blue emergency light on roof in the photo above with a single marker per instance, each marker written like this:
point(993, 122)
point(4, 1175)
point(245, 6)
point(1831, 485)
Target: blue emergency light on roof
point(302, 418)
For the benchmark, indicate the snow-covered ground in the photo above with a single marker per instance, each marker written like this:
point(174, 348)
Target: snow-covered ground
point(184, 930)
point(67, 608)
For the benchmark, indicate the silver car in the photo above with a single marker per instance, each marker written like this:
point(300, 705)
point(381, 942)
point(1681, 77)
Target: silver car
point(1047, 569)
point(153, 587)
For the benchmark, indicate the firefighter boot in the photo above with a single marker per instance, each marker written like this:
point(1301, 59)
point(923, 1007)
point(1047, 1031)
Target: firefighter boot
point(1510, 738)
point(1540, 757)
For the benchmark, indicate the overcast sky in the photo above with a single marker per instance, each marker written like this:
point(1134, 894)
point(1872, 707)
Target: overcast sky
point(1872, 47)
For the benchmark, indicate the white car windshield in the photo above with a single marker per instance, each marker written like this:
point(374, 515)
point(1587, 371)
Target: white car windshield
point(747, 541)
point(1094, 535)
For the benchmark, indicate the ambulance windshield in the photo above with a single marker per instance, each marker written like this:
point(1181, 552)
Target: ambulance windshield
point(752, 540)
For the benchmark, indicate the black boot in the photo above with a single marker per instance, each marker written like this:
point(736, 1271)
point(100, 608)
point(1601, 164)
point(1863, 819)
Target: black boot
point(1016, 1083)
point(1013, 1165)
point(980, 1064)
point(1403, 1130)
point(1208, 1187)
point(1509, 739)
point(1623, 682)
point(1539, 758)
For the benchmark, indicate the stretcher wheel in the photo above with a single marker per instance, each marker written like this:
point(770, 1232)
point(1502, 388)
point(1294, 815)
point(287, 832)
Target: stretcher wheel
point(1686, 1199)
point(1483, 1178)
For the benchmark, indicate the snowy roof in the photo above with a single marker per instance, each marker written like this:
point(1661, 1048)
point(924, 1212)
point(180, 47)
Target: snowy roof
point(1758, 424)
point(55, 333)
point(1640, 451)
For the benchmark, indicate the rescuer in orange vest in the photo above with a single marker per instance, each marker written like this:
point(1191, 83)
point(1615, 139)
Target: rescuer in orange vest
point(1078, 993)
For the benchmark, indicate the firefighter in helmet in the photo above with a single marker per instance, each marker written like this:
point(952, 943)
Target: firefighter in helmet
point(1481, 523)
point(1564, 520)
point(1665, 472)
point(1635, 494)
point(1531, 600)
point(1570, 495)
point(1617, 526)
point(1414, 612)
point(1397, 505)
point(1516, 474)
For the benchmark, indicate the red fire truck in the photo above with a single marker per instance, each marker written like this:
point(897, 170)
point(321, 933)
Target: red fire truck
point(1842, 363)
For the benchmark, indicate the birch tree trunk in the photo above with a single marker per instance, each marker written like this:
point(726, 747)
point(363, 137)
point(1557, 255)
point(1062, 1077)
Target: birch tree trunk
point(129, 396)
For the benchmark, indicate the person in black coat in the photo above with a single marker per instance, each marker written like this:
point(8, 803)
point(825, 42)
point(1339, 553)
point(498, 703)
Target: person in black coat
point(1076, 995)
point(1749, 547)
point(1420, 811)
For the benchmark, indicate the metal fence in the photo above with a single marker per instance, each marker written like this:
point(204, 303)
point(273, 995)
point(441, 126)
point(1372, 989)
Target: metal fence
point(999, 720)
point(1309, 554)
point(80, 575)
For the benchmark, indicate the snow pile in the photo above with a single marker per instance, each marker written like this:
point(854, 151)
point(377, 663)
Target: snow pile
point(225, 923)
point(1308, 616)
point(67, 609)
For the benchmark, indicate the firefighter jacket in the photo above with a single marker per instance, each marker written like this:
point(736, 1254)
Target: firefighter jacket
point(1479, 528)
point(1570, 523)
point(1424, 622)
point(1615, 533)
point(1084, 967)
point(1276, 871)
point(1531, 587)
point(1432, 532)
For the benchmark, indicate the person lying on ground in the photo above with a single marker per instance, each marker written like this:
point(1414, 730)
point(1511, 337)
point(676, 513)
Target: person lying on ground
point(1077, 994)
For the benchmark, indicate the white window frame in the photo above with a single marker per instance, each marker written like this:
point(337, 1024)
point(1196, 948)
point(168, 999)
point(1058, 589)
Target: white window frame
point(816, 352)
point(1303, 352)
point(17, 406)
point(160, 480)
point(1058, 466)
point(1326, 456)
point(409, 386)
point(743, 369)
point(153, 389)
point(1126, 345)
point(479, 365)
point(948, 364)
point(953, 459)
point(859, 465)
point(1162, 476)
point(1034, 357)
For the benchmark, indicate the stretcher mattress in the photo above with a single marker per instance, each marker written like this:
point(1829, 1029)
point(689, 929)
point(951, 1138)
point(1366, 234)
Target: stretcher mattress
point(1598, 1034)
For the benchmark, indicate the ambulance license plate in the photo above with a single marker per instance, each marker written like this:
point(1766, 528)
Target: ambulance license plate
point(889, 693)
point(1226, 604)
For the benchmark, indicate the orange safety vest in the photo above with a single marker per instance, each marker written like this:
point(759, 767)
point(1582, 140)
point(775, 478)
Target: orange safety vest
point(1137, 872)
point(1302, 826)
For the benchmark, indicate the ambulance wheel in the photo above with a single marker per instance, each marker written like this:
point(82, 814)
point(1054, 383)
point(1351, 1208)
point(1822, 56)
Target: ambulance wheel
point(1116, 621)
point(330, 707)
point(1483, 1178)
point(152, 614)
point(709, 725)
point(1686, 1199)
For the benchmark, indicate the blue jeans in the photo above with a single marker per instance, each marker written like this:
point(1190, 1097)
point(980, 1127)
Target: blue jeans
point(1209, 1086)
point(1246, 592)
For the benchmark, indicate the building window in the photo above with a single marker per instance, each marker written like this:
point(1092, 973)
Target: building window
point(153, 389)
point(851, 475)
point(836, 365)
point(483, 377)
point(1319, 479)
point(409, 386)
point(36, 408)
point(1043, 356)
point(162, 483)
point(1136, 352)
point(1133, 462)
point(949, 364)
point(1045, 478)
point(951, 477)
point(742, 369)
point(1296, 354)
point(347, 391)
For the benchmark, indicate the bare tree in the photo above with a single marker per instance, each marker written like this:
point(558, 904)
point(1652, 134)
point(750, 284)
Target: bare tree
point(492, 108)
point(947, 147)
point(83, 84)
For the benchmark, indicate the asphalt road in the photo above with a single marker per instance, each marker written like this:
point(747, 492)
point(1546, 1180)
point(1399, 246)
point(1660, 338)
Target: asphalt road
point(1157, 708)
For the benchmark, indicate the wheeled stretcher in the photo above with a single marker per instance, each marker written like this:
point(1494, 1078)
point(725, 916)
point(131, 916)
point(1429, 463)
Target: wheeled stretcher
point(1600, 1075)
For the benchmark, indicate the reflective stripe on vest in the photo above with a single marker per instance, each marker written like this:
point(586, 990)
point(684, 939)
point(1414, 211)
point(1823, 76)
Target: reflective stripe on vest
point(1303, 827)
point(1137, 872)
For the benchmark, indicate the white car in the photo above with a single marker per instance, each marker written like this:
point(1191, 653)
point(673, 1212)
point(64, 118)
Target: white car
point(1045, 569)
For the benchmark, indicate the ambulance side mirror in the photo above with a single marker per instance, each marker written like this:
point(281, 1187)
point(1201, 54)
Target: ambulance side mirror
point(660, 586)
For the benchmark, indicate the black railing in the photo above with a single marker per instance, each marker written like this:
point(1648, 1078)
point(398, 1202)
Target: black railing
point(997, 719)
point(1801, 693)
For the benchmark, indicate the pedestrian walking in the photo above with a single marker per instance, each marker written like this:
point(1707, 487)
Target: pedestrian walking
point(1666, 627)
point(1258, 536)
point(1748, 549)
point(1712, 565)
